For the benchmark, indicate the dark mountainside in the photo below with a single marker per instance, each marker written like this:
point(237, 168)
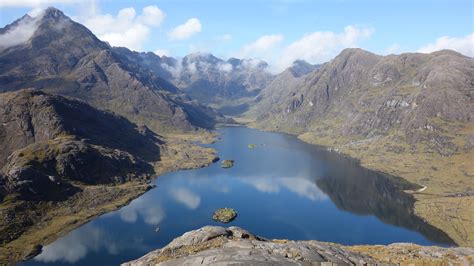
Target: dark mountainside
point(224, 85)
point(409, 115)
point(89, 69)
point(47, 141)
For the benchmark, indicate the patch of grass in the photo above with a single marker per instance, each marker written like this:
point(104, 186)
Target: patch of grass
point(227, 163)
point(224, 215)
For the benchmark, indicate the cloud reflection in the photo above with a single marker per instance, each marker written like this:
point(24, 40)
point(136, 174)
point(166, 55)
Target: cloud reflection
point(300, 186)
point(152, 214)
point(75, 246)
point(186, 197)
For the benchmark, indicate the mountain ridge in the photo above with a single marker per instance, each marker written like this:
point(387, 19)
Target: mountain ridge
point(89, 69)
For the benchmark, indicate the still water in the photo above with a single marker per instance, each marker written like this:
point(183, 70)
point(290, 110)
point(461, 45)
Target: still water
point(282, 188)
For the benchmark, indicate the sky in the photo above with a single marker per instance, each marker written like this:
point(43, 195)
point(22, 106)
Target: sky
point(277, 31)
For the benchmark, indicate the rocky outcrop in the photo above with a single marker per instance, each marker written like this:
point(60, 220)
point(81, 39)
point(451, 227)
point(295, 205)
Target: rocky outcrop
point(233, 245)
point(64, 57)
point(48, 142)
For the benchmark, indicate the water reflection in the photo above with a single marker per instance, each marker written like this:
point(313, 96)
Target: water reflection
point(76, 245)
point(283, 188)
point(186, 197)
point(151, 214)
point(299, 185)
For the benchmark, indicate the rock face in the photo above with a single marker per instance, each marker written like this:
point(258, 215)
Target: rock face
point(360, 94)
point(226, 85)
point(233, 245)
point(47, 142)
point(64, 57)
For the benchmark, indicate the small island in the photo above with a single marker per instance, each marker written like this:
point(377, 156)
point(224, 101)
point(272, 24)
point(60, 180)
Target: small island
point(224, 215)
point(227, 163)
point(251, 146)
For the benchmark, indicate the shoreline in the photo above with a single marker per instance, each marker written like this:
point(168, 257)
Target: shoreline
point(175, 150)
point(424, 198)
point(58, 219)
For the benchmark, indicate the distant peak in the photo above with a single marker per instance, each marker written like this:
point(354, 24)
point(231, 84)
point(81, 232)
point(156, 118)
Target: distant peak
point(53, 13)
point(301, 67)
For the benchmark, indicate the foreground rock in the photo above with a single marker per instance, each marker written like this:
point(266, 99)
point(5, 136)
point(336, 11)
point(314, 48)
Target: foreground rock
point(224, 215)
point(233, 245)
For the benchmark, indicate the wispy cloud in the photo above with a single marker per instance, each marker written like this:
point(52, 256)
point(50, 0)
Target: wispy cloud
point(20, 33)
point(463, 45)
point(186, 30)
point(315, 47)
point(127, 28)
point(261, 47)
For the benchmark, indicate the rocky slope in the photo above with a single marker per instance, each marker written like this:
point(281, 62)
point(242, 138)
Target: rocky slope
point(47, 141)
point(64, 57)
point(222, 246)
point(224, 84)
point(63, 162)
point(410, 115)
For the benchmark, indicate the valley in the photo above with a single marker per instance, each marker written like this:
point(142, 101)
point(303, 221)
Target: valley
point(359, 152)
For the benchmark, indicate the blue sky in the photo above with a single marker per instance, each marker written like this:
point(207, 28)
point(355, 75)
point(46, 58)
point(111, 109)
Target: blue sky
point(277, 31)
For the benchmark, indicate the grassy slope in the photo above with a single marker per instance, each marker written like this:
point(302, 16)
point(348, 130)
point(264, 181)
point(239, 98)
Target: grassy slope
point(448, 200)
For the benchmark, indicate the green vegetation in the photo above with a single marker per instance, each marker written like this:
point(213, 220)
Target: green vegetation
point(224, 215)
point(227, 163)
point(251, 146)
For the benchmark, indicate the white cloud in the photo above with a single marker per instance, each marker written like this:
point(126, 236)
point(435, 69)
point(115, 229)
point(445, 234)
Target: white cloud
point(225, 67)
point(186, 30)
point(21, 33)
point(315, 47)
point(261, 46)
point(321, 46)
point(464, 45)
point(162, 52)
point(152, 16)
point(393, 49)
point(126, 28)
point(33, 3)
point(186, 197)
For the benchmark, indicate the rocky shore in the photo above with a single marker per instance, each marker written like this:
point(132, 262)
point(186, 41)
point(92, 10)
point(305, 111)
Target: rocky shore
point(234, 245)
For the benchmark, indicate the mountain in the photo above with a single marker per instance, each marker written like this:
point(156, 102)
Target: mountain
point(277, 90)
point(64, 57)
point(364, 95)
point(409, 115)
point(48, 142)
point(225, 85)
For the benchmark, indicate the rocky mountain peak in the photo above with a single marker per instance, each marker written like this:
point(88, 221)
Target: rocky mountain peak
point(301, 67)
point(53, 13)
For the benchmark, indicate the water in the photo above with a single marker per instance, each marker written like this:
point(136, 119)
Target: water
point(282, 188)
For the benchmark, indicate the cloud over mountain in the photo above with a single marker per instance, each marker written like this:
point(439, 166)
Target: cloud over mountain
point(127, 28)
point(186, 30)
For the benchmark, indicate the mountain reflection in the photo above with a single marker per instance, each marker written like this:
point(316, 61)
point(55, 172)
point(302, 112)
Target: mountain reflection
point(372, 193)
